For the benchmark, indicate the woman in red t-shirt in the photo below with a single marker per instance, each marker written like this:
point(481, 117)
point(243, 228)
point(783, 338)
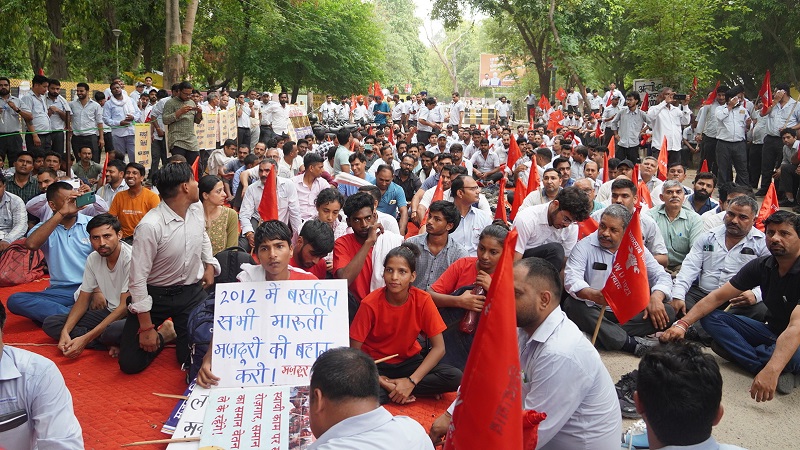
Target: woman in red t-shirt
point(387, 324)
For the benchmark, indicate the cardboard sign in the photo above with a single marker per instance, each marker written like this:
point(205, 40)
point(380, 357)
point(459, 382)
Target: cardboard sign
point(142, 140)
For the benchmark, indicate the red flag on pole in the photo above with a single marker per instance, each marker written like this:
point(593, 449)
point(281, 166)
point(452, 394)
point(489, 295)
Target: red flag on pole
point(390, 135)
point(544, 103)
point(520, 190)
point(605, 168)
point(492, 374)
point(378, 90)
point(598, 132)
point(353, 103)
point(694, 85)
point(195, 168)
point(586, 228)
point(765, 94)
point(533, 179)
point(514, 152)
point(555, 120)
point(635, 174)
point(105, 167)
point(561, 94)
point(627, 290)
point(711, 96)
point(644, 194)
point(268, 206)
point(612, 148)
point(768, 207)
point(704, 166)
point(530, 124)
point(438, 194)
point(501, 212)
point(662, 160)
point(610, 97)
point(645, 102)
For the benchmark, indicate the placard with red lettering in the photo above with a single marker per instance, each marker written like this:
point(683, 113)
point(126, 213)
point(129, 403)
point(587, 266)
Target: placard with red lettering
point(247, 418)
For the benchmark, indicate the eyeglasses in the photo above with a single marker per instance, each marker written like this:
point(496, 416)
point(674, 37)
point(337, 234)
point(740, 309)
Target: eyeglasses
point(473, 188)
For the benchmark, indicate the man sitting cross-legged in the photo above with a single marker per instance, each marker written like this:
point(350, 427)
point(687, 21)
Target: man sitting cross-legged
point(95, 321)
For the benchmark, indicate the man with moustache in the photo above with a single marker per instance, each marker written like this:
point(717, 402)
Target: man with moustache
point(277, 115)
point(33, 109)
point(115, 174)
point(438, 250)
point(86, 122)
point(679, 226)
point(120, 112)
point(10, 139)
point(131, 205)
point(288, 203)
point(405, 178)
point(700, 201)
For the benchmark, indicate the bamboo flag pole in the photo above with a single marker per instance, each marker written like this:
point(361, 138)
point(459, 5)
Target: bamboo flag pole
point(378, 361)
point(162, 441)
point(599, 322)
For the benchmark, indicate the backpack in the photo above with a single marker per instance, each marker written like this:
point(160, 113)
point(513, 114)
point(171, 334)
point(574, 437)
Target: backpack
point(201, 327)
point(18, 265)
point(230, 262)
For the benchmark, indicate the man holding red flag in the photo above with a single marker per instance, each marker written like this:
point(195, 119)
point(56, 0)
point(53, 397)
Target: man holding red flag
point(258, 202)
point(784, 113)
point(639, 294)
point(552, 354)
point(706, 130)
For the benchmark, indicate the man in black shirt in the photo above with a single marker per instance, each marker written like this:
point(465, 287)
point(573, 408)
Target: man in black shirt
point(768, 351)
point(405, 178)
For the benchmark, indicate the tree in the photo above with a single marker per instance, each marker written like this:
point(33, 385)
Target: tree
point(178, 40)
point(406, 56)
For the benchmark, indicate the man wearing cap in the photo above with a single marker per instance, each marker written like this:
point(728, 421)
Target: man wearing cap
point(625, 168)
point(136, 94)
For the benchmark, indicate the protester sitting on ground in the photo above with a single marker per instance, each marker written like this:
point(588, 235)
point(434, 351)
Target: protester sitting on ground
point(679, 395)
point(97, 318)
point(39, 207)
point(23, 183)
point(700, 201)
point(448, 173)
point(393, 199)
point(86, 169)
point(438, 250)
point(313, 244)
point(388, 323)
point(132, 205)
point(679, 225)
point(786, 175)
point(65, 243)
point(623, 168)
point(352, 253)
point(675, 171)
point(466, 193)
point(586, 273)
point(288, 206)
point(272, 253)
point(37, 406)
point(768, 351)
point(309, 184)
point(727, 192)
point(344, 408)
point(13, 219)
point(561, 372)
point(358, 163)
point(551, 186)
point(115, 181)
point(222, 223)
point(389, 222)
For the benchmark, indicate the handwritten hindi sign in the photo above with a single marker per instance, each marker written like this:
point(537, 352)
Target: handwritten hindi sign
point(212, 130)
point(651, 86)
point(222, 124)
point(190, 414)
point(269, 333)
point(230, 116)
point(249, 418)
point(200, 132)
point(142, 138)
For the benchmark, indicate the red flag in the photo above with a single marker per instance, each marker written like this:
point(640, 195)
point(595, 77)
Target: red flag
point(586, 228)
point(105, 167)
point(605, 167)
point(520, 190)
point(530, 124)
point(612, 148)
point(438, 194)
point(610, 97)
point(378, 90)
point(765, 94)
point(533, 179)
point(544, 103)
point(195, 168)
point(561, 94)
point(662, 161)
point(369, 130)
point(644, 194)
point(768, 207)
point(598, 132)
point(712, 95)
point(371, 89)
point(704, 166)
point(645, 102)
point(353, 103)
point(390, 135)
point(268, 206)
point(627, 290)
point(501, 212)
point(491, 380)
point(635, 174)
point(514, 152)
point(555, 120)
point(694, 85)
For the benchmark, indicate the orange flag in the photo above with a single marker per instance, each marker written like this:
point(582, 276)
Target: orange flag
point(635, 174)
point(544, 103)
point(555, 120)
point(711, 96)
point(645, 102)
point(644, 194)
point(390, 135)
point(765, 94)
point(662, 160)
point(605, 168)
point(768, 207)
point(492, 375)
point(561, 94)
point(598, 131)
point(520, 189)
point(704, 166)
point(514, 152)
point(438, 194)
point(533, 179)
point(105, 167)
point(268, 206)
point(501, 212)
point(586, 228)
point(627, 290)
point(612, 148)
point(195, 168)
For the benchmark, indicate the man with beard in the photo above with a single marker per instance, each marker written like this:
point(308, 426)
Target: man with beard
point(120, 112)
point(438, 250)
point(679, 226)
point(87, 122)
point(700, 201)
point(277, 114)
point(768, 351)
point(180, 115)
point(393, 199)
point(131, 206)
point(95, 321)
point(10, 139)
point(405, 178)
point(551, 186)
point(115, 174)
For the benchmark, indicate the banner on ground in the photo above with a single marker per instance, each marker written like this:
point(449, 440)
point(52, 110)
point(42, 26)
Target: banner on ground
point(142, 139)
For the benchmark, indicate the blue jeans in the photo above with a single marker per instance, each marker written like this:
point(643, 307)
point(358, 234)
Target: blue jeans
point(750, 342)
point(38, 306)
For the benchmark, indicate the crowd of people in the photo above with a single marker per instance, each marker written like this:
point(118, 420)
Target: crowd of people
point(402, 205)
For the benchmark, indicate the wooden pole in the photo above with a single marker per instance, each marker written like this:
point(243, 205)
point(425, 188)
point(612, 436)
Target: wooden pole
point(162, 441)
point(599, 322)
point(378, 361)
point(179, 397)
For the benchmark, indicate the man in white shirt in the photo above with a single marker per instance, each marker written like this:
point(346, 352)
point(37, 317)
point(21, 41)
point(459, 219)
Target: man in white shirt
point(666, 119)
point(706, 129)
point(328, 110)
point(360, 113)
point(115, 175)
point(456, 114)
point(345, 411)
point(573, 99)
point(277, 114)
point(608, 123)
point(630, 121)
point(733, 120)
point(86, 122)
point(561, 372)
point(33, 110)
point(501, 108)
point(288, 204)
point(13, 218)
point(59, 111)
point(466, 193)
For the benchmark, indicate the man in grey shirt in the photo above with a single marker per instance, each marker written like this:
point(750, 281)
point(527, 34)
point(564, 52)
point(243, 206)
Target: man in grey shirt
point(438, 250)
point(629, 122)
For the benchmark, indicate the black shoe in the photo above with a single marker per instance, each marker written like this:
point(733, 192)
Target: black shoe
point(786, 203)
point(628, 408)
point(761, 193)
point(627, 384)
point(694, 335)
point(716, 348)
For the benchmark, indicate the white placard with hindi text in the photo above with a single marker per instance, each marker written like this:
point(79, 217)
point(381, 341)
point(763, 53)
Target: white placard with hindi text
point(268, 333)
point(252, 418)
point(190, 422)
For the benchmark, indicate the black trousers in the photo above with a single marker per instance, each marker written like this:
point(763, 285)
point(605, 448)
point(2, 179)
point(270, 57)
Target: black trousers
point(79, 142)
point(708, 152)
point(266, 134)
point(552, 253)
point(111, 336)
point(441, 379)
point(732, 155)
point(771, 157)
point(789, 179)
point(58, 144)
point(158, 152)
point(423, 136)
point(630, 153)
point(175, 302)
point(243, 136)
point(188, 154)
point(46, 141)
point(754, 163)
point(608, 134)
point(11, 147)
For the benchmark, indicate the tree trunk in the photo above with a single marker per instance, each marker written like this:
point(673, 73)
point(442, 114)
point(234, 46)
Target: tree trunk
point(295, 92)
point(58, 57)
point(36, 59)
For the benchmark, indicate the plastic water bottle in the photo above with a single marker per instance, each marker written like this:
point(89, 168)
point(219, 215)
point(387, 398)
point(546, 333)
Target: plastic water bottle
point(470, 320)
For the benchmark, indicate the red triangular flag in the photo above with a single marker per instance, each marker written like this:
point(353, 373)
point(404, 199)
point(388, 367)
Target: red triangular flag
point(694, 85)
point(268, 206)
point(501, 212)
point(492, 374)
point(768, 207)
point(586, 227)
point(645, 103)
point(765, 94)
point(610, 97)
point(605, 167)
point(704, 166)
point(662, 160)
point(627, 290)
point(520, 190)
point(544, 103)
point(612, 148)
point(561, 94)
point(598, 131)
point(353, 103)
point(438, 194)
point(105, 167)
point(555, 120)
point(635, 174)
point(712, 95)
point(533, 179)
point(644, 194)
point(514, 152)
point(390, 135)
point(195, 169)
point(369, 130)
point(378, 90)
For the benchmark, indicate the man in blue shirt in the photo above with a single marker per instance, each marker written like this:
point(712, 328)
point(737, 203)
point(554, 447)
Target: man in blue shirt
point(393, 198)
point(65, 243)
point(381, 112)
